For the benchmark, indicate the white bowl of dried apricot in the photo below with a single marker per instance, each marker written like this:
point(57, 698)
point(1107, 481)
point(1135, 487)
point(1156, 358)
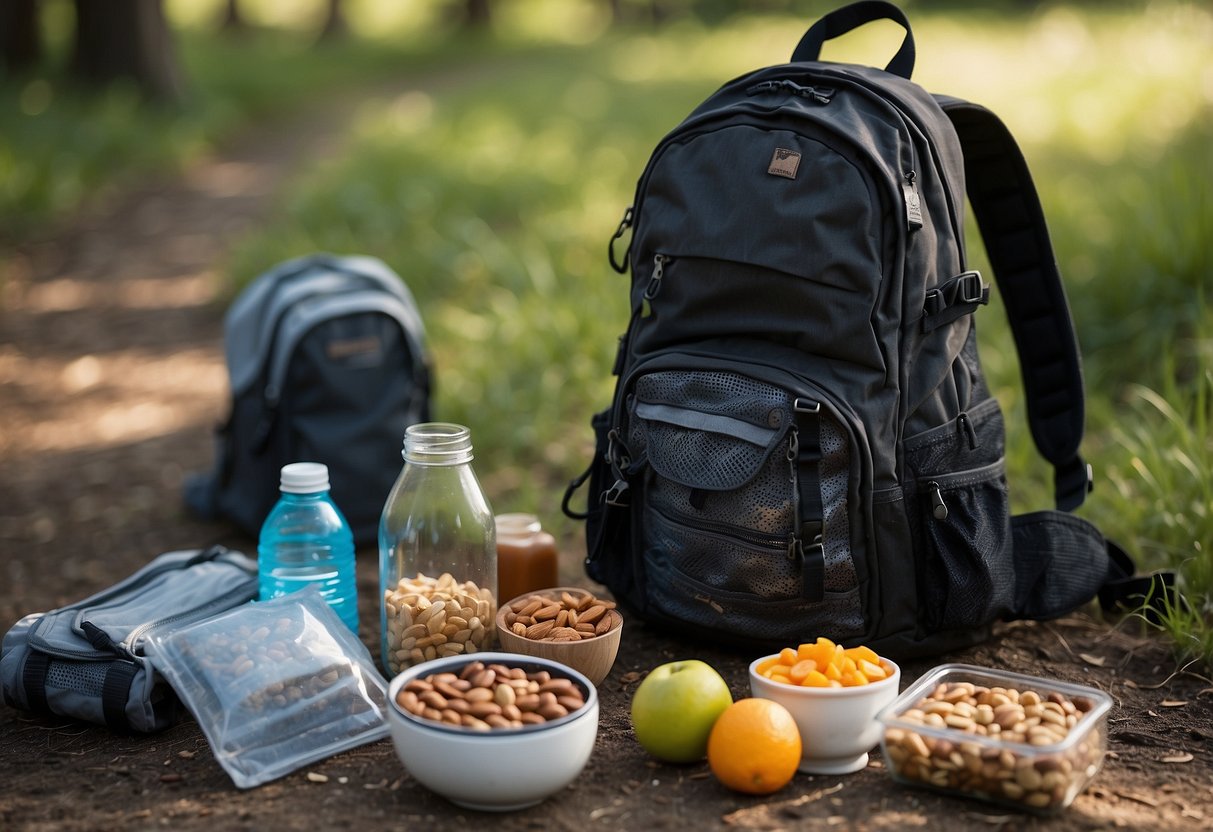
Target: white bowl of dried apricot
point(834, 693)
point(493, 731)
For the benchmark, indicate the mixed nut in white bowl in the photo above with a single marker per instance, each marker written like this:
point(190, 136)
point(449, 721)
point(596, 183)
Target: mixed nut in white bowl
point(1012, 739)
point(493, 731)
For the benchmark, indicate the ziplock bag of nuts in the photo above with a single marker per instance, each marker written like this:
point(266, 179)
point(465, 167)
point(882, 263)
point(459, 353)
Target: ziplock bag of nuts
point(276, 685)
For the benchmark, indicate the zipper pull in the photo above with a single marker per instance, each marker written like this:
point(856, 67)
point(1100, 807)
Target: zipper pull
point(100, 640)
point(965, 426)
point(909, 192)
point(818, 95)
point(654, 286)
point(624, 225)
point(939, 509)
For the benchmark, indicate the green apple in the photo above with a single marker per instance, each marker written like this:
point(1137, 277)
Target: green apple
point(675, 707)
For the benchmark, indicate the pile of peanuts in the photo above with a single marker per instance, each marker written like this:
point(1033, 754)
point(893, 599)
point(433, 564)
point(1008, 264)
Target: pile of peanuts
point(1038, 780)
point(429, 618)
point(567, 618)
point(485, 697)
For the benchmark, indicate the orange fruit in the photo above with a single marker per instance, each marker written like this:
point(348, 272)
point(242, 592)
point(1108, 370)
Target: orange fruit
point(754, 746)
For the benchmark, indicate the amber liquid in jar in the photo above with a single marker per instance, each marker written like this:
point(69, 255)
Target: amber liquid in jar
point(526, 556)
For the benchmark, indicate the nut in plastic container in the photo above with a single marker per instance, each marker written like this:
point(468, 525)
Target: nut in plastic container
point(1016, 740)
point(275, 685)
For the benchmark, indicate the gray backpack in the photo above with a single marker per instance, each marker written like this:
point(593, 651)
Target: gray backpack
point(801, 441)
point(327, 363)
point(91, 661)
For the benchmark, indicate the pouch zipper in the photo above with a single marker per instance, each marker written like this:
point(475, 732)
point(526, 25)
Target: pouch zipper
point(102, 599)
point(217, 604)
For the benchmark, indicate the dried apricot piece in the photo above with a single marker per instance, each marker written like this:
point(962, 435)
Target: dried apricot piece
point(801, 669)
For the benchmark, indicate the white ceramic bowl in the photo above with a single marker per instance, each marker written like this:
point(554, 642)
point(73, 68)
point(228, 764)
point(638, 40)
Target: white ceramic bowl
point(500, 770)
point(838, 726)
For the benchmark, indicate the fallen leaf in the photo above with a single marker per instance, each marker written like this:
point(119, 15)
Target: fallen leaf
point(1178, 758)
point(1129, 683)
point(317, 778)
point(1173, 703)
point(1097, 661)
point(187, 755)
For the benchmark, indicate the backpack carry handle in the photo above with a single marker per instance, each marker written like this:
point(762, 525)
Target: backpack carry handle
point(841, 21)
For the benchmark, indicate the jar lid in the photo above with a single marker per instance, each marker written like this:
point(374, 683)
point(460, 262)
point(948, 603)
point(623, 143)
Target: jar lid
point(517, 525)
point(304, 477)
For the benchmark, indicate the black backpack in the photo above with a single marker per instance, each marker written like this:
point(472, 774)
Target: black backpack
point(801, 442)
point(327, 362)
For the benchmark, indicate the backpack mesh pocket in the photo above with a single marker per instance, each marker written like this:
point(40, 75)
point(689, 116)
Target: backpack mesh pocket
point(720, 508)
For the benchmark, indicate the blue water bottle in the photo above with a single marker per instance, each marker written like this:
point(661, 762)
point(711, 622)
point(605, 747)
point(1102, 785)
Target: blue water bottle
point(306, 540)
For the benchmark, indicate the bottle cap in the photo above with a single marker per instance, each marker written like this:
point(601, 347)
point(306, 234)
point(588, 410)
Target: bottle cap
point(305, 478)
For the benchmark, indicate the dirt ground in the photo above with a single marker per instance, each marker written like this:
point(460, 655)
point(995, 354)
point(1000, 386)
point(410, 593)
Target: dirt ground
point(111, 379)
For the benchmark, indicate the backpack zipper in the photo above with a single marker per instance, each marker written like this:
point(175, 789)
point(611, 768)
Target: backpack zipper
point(818, 95)
point(774, 542)
point(654, 285)
point(939, 509)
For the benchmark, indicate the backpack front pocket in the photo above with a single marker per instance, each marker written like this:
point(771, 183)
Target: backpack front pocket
point(733, 518)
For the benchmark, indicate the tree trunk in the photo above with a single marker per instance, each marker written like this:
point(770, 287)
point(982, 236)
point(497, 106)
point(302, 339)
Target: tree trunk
point(20, 40)
point(476, 14)
point(334, 23)
point(126, 39)
point(233, 21)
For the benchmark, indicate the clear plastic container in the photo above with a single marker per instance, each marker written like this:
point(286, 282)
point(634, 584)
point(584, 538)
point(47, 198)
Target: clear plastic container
point(437, 553)
point(306, 541)
point(1021, 741)
point(527, 558)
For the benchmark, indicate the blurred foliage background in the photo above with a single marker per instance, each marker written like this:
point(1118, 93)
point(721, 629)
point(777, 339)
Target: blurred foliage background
point(497, 144)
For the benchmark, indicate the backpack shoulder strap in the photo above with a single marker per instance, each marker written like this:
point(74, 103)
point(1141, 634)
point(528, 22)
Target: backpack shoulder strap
point(1012, 224)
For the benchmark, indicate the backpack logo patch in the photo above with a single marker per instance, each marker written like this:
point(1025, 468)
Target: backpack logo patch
point(784, 162)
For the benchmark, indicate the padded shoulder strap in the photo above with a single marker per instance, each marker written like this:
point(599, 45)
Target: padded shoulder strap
point(1012, 224)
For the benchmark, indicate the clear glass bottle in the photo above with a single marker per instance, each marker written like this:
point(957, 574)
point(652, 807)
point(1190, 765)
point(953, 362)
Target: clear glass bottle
point(527, 558)
point(437, 553)
point(306, 540)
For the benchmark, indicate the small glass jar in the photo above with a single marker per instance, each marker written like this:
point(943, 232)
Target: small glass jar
point(437, 553)
point(527, 558)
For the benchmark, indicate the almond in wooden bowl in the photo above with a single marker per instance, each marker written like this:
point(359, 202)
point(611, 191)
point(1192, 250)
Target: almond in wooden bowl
point(566, 624)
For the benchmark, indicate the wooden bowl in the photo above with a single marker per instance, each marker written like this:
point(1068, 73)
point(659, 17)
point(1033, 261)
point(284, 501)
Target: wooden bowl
point(593, 657)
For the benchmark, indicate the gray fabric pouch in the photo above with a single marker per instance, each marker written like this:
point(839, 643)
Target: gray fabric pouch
point(91, 660)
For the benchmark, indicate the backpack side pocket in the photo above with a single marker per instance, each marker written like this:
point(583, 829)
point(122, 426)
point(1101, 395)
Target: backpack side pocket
point(962, 520)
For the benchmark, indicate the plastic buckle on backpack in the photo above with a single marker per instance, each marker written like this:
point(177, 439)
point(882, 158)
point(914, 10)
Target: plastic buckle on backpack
point(616, 494)
point(970, 288)
point(1072, 482)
